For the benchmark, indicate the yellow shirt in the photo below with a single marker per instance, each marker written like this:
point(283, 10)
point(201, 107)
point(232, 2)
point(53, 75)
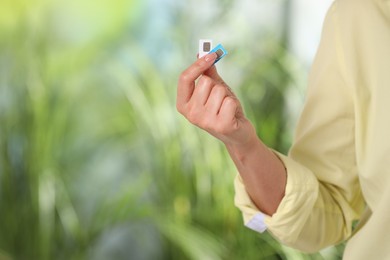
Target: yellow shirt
point(338, 169)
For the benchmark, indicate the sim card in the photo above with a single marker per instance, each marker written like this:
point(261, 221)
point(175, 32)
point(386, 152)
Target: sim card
point(220, 51)
point(205, 46)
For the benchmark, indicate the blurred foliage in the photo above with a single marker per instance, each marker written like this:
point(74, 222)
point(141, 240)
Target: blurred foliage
point(95, 163)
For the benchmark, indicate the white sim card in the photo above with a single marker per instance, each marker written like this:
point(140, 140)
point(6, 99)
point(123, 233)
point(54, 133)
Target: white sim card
point(205, 46)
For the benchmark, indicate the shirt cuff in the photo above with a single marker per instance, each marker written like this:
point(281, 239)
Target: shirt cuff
point(257, 223)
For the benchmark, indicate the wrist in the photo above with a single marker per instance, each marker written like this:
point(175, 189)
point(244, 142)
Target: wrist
point(242, 150)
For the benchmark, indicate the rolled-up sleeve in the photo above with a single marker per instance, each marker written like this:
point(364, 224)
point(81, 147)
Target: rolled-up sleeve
point(322, 196)
point(300, 195)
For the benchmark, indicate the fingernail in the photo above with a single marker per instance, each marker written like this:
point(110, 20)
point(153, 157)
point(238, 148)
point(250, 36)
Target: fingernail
point(210, 57)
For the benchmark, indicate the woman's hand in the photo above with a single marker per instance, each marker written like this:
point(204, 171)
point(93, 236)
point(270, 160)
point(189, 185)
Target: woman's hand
point(208, 102)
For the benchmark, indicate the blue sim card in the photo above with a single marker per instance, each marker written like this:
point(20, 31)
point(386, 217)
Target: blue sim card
point(220, 51)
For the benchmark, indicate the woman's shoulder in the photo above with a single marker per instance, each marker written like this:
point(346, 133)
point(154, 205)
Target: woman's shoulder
point(360, 11)
point(361, 5)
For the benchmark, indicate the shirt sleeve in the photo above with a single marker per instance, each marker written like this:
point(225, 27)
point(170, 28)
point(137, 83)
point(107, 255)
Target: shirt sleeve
point(322, 196)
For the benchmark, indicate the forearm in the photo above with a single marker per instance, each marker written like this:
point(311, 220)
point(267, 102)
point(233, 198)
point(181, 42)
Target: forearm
point(262, 172)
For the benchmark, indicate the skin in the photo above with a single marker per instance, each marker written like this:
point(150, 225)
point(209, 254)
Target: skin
point(208, 102)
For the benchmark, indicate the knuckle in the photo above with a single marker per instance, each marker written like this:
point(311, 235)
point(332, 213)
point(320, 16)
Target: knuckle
point(184, 76)
point(204, 80)
point(219, 91)
point(193, 115)
point(230, 101)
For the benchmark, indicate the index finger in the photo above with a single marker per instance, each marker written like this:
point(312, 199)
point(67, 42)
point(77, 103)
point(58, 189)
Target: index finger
point(187, 78)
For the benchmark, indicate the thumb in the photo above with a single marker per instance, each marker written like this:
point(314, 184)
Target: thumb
point(212, 73)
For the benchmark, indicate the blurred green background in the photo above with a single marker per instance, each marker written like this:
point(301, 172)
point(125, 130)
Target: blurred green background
point(95, 162)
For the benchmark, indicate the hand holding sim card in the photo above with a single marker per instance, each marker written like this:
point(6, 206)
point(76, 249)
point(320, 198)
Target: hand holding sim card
point(206, 47)
point(204, 98)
